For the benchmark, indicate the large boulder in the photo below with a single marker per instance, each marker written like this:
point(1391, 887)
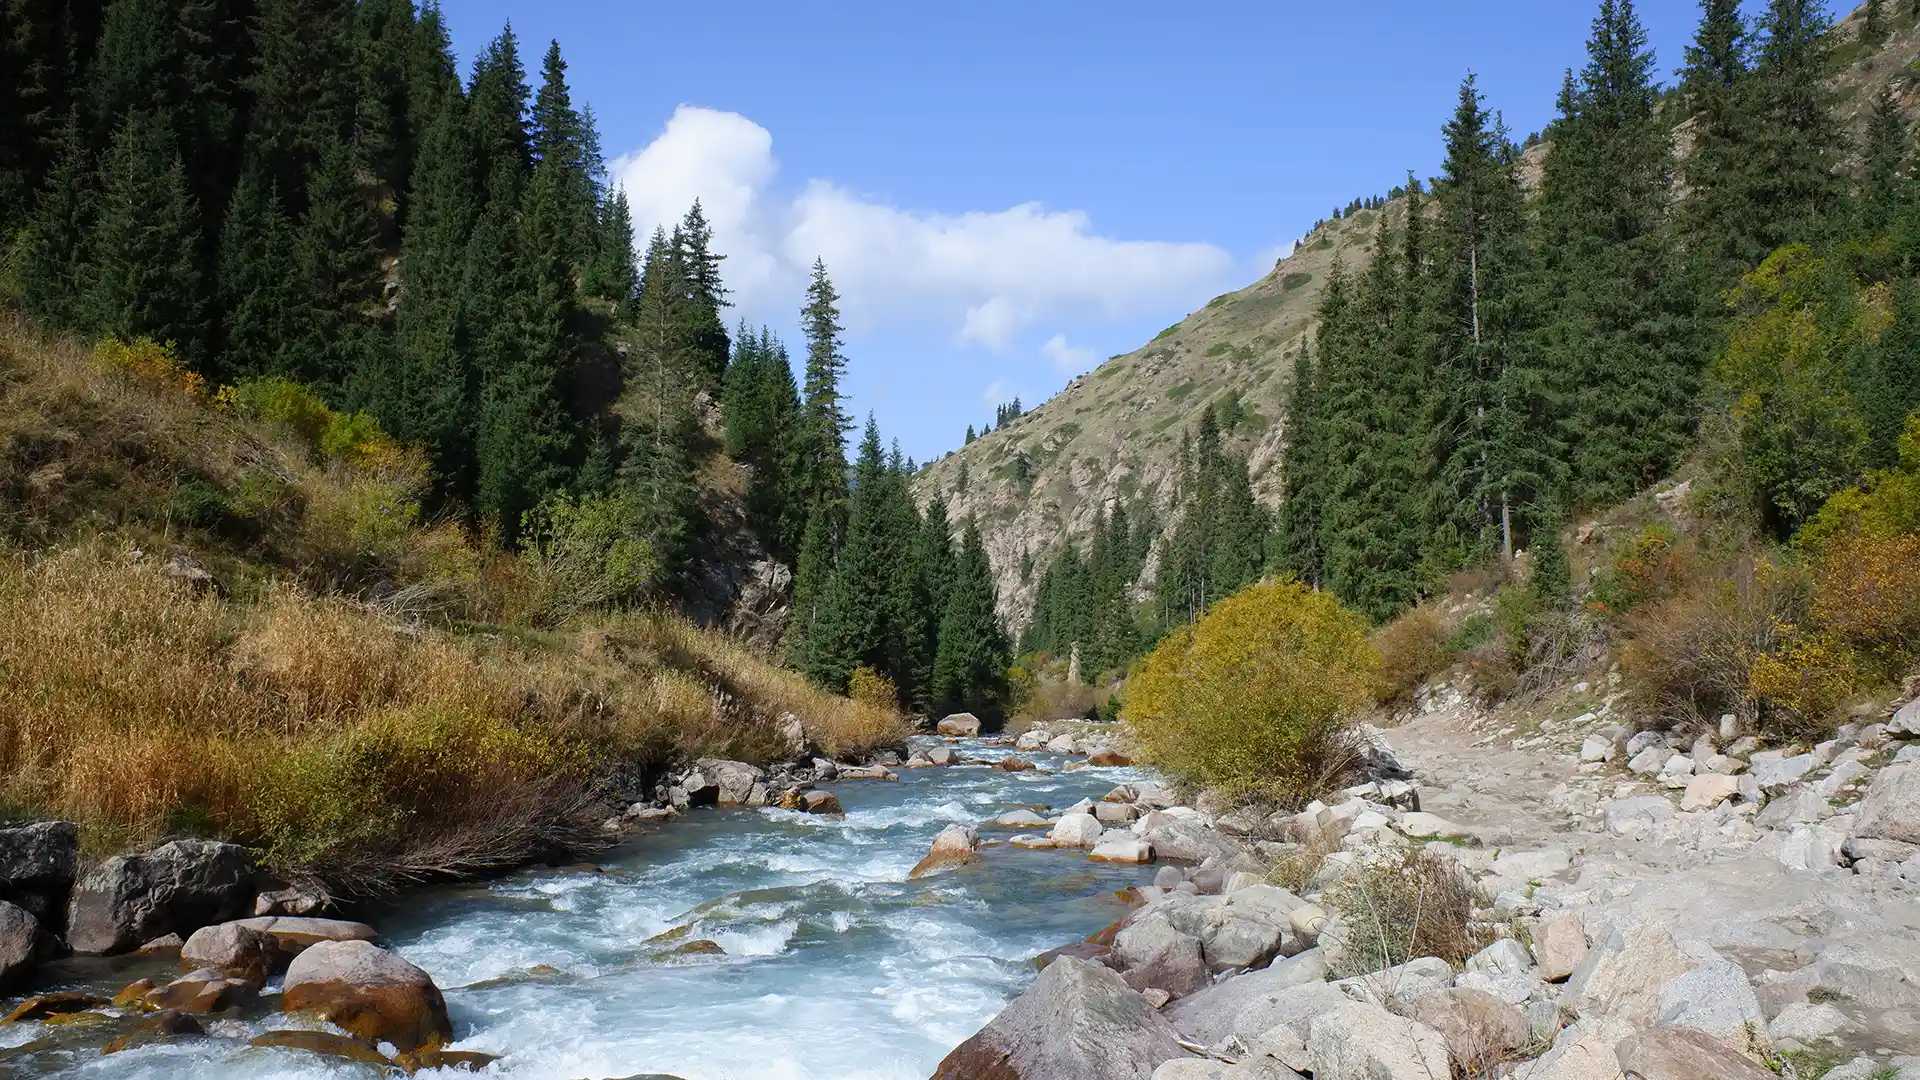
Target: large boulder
point(731, 782)
point(37, 867)
point(1290, 993)
point(1078, 1021)
point(963, 725)
point(1642, 976)
point(1362, 1041)
point(233, 949)
point(176, 888)
point(1152, 952)
point(1560, 944)
point(22, 942)
point(1250, 927)
point(1076, 831)
point(1670, 1053)
point(204, 992)
point(955, 845)
point(368, 991)
point(294, 934)
point(1185, 839)
point(1584, 1051)
point(1891, 809)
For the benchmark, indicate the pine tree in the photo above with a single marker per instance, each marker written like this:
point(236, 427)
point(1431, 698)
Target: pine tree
point(52, 244)
point(657, 406)
point(934, 559)
point(1881, 186)
point(260, 292)
point(44, 45)
point(497, 117)
point(1714, 220)
point(706, 295)
point(1797, 144)
point(970, 665)
point(820, 448)
point(812, 574)
point(611, 273)
point(142, 276)
point(560, 138)
point(1551, 582)
point(304, 91)
point(335, 251)
point(384, 129)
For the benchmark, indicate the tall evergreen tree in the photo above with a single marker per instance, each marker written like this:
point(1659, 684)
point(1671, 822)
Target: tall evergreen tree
point(260, 293)
point(706, 295)
point(657, 406)
point(304, 91)
point(970, 665)
point(1796, 143)
point(498, 138)
point(53, 242)
point(1887, 144)
point(142, 276)
point(1714, 218)
point(335, 251)
point(820, 444)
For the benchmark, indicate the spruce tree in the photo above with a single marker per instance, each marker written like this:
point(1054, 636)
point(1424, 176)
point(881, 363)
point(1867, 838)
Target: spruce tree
point(970, 664)
point(560, 138)
point(657, 406)
point(52, 244)
point(142, 276)
point(260, 293)
point(335, 251)
point(497, 117)
point(1881, 185)
point(612, 273)
point(1797, 145)
point(1715, 218)
point(820, 444)
point(706, 295)
point(304, 91)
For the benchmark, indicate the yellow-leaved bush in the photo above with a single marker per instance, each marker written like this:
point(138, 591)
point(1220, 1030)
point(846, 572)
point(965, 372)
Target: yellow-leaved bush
point(1257, 699)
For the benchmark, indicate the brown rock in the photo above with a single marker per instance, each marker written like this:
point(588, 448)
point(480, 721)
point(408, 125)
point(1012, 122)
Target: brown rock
point(1480, 1030)
point(1079, 950)
point(1109, 759)
point(1670, 1053)
point(134, 994)
point(322, 1042)
point(368, 991)
point(295, 934)
point(956, 845)
point(160, 1027)
point(162, 945)
point(431, 1058)
point(233, 948)
point(1014, 763)
point(204, 992)
point(700, 947)
point(41, 1006)
point(821, 802)
point(959, 726)
point(1559, 944)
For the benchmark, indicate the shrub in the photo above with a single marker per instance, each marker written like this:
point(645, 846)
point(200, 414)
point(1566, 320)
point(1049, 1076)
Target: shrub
point(587, 553)
point(1650, 566)
point(1866, 593)
point(1413, 648)
point(1257, 698)
point(151, 364)
point(1689, 659)
point(1474, 631)
point(1802, 683)
point(284, 404)
point(1403, 905)
point(869, 687)
point(1886, 504)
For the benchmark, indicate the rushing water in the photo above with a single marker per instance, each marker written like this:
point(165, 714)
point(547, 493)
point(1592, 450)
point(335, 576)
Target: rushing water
point(836, 967)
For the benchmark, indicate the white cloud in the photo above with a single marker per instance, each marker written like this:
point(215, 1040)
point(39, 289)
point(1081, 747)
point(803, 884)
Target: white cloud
point(1067, 359)
point(981, 277)
point(997, 393)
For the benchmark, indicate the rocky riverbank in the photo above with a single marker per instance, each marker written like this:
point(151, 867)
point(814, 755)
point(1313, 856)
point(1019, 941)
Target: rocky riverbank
point(1650, 908)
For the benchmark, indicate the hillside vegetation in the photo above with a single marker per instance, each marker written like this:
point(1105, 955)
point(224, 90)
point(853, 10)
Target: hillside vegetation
point(1112, 438)
point(223, 613)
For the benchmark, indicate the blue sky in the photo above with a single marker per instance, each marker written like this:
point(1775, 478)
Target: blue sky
point(1007, 193)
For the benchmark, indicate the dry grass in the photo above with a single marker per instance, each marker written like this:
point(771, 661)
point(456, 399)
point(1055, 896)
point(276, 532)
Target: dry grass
point(344, 746)
point(1404, 906)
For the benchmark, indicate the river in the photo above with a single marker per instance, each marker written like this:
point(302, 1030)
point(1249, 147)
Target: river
point(835, 965)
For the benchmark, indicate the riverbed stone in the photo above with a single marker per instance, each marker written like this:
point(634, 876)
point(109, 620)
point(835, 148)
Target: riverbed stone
point(234, 949)
point(323, 1043)
point(1014, 763)
point(294, 900)
point(1152, 952)
point(1708, 790)
point(176, 888)
point(1290, 991)
point(959, 726)
point(1671, 1053)
point(1891, 808)
point(1031, 842)
point(1110, 759)
point(163, 1026)
point(956, 845)
point(1020, 819)
point(22, 942)
point(1186, 840)
point(731, 783)
point(1479, 1029)
point(37, 867)
point(369, 991)
point(1362, 1041)
point(1077, 831)
point(1078, 1021)
point(1121, 848)
point(820, 802)
point(1559, 945)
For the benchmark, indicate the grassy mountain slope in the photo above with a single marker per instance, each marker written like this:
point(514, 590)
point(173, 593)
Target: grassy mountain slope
point(1114, 434)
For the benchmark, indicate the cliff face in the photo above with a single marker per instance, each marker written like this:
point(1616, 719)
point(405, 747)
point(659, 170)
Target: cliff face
point(1114, 434)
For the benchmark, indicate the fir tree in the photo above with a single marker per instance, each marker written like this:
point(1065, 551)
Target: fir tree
point(51, 245)
point(611, 272)
point(1881, 186)
point(260, 292)
point(1796, 142)
point(970, 665)
point(497, 116)
point(1714, 219)
point(142, 276)
point(304, 91)
point(657, 406)
point(820, 469)
point(706, 295)
point(335, 252)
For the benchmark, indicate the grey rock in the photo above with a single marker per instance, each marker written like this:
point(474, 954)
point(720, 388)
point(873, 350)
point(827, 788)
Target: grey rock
point(176, 888)
point(1598, 748)
point(1289, 992)
point(1637, 814)
point(1800, 806)
point(1891, 808)
point(37, 867)
point(1401, 982)
point(1151, 952)
point(22, 943)
point(1560, 944)
point(1362, 1041)
point(1078, 1021)
point(1480, 1030)
point(1773, 770)
point(1503, 957)
point(1679, 1054)
point(1906, 720)
point(732, 782)
point(1806, 1022)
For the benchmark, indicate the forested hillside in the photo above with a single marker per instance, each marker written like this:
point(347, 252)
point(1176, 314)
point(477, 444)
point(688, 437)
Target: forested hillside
point(1114, 437)
point(301, 205)
point(1540, 330)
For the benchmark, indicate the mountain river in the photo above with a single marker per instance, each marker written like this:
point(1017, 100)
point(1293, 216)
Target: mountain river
point(835, 965)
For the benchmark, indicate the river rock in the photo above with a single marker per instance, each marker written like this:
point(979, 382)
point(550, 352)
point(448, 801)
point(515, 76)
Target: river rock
point(1559, 944)
point(820, 802)
point(235, 950)
point(297, 901)
point(1185, 840)
point(294, 934)
point(1113, 814)
point(1362, 1041)
point(324, 1043)
point(22, 943)
point(732, 783)
point(1774, 771)
point(1153, 953)
point(1637, 814)
point(941, 756)
point(1670, 1053)
point(369, 991)
point(1014, 763)
point(1020, 819)
point(204, 991)
point(1121, 848)
point(176, 888)
point(1078, 1021)
point(867, 772)
point(1480, 1030)
point(163, 1026)
point(1891, 808)
point(959, 726)
point(1584, 1051)
point(956, 844)
point(1062, 744)
point(1291, 992)
point(1109, 759)
point(1032, 739)
point(1033, 843)
point(37, 866)
point(1708, 790)
point(1077, 831)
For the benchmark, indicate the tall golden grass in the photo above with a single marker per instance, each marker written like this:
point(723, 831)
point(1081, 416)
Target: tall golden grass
point(370, 700)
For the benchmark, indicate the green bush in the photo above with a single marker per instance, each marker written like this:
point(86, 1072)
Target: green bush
point(1257, 699)
point(587, 553)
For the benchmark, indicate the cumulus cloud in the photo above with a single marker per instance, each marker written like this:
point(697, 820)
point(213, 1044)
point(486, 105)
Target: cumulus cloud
point(981, 277)
point(1067, 359)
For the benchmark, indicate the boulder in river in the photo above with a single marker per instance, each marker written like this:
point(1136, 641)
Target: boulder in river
point(176, 888)
point(233, 948)
point(163, 1026)
point(22, 941)
point(1078, 1021)
point(955, 845)
point(324, 1043)
point(959, 726)
point(206, 991)
point(1109, 759)
point(37, 866)
point(1077, 831)
point(1121, 848)
point(1014, 763)
point(820, 802)
point(1020, 819)
point(369, 991)
point(722, 782)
